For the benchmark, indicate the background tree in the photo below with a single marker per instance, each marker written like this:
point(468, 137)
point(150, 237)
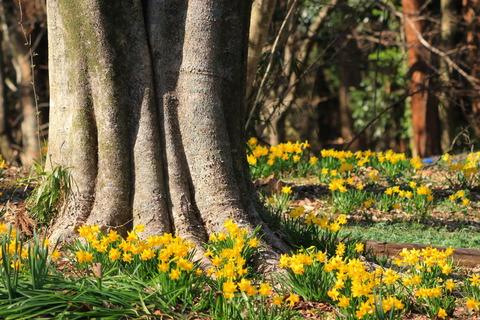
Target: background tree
point(146, 109)
point(424, 111)
point(23, 33)
point(374, 90)
point(302, 89)
point(446, 106)
point(261, 16)
point(471, 17)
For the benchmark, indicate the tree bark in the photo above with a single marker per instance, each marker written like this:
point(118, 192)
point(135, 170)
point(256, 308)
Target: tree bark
point(446, 110)
point(262, 12)
point(297, 52)
point(424, 111)
point(349, 75)
point(20, 48)
point(149, 116)
point(471, 15)
point(5, 140)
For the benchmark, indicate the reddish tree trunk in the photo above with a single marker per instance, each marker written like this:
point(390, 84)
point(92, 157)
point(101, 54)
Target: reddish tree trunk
point(424, 111)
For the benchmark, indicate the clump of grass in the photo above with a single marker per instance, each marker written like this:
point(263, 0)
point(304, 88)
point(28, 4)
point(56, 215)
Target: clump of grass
point(52, 188)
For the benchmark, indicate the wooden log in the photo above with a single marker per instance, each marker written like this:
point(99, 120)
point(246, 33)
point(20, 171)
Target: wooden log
point(465, 257)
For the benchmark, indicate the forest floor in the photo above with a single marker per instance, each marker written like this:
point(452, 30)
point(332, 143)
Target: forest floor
point(311, 194)
point(458, 222)
point(16, 186)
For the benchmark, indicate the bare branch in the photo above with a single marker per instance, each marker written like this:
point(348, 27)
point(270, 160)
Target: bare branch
point(306, 47)
point(270, 62)
point(475, 82)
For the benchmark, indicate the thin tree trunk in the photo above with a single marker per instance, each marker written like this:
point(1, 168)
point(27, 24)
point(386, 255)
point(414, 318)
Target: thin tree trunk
point(21, 54)
point(424, 112)
point(262, 12)
point(274, 110)
point(327, 110)
point(349, 76)
point(446, 108)
point(6, 134)
point(307, 45)
point(471, 15)
point(5, 140)
point(297, 52)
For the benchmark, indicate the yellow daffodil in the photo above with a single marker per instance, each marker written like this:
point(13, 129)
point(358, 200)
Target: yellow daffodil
point(359, 247)
point(472, 304)
point(114, 254)
point(442, 313)
point(292, 299)
point(287, 190)
point(265, 289)
point(84, 256)
point(278, 300)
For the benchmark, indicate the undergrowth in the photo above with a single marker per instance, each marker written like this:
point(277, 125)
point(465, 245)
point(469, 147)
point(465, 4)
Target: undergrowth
point(102, 275)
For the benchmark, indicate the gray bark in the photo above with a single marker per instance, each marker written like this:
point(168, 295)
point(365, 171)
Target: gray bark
point(149, 115)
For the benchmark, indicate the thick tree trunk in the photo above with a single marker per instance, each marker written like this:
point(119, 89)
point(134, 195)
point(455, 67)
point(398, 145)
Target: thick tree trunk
point(424, 112)
point(148, 115)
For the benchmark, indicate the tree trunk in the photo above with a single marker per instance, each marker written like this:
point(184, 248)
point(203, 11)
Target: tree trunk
point(327, 109)
point(446, 107)
point(424, 112)
point(297, 52)
point(274, 110)
point(21, 54)
point(5, 140)
point(349, 75)
point(149, 116)
point(471, 15)
point(262, 12)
